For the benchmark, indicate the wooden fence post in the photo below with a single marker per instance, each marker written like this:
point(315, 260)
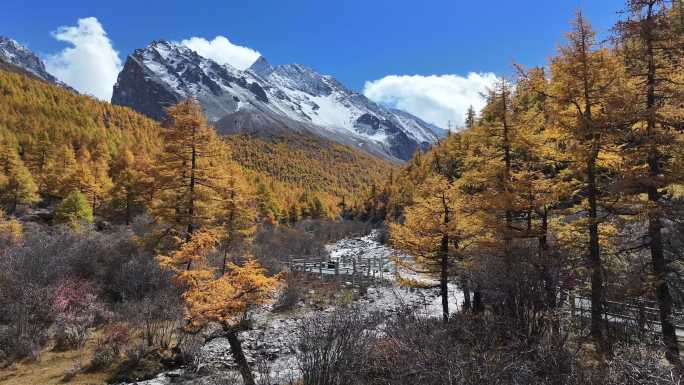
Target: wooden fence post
point(572, 304)
point(353, 272)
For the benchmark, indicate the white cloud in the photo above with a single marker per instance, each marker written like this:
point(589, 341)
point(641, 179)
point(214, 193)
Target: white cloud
point(437, 99)
point(222, 51)
point(91, 64)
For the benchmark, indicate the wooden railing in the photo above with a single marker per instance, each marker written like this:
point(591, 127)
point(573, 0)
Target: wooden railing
point(355, 269)
point(639, 314)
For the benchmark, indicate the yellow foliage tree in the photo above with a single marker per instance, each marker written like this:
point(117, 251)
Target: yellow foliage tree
point(585, 85)
point(59, 170)
point(218, 295)
point(435, 234)
point(133, 185)
point(238, 216)
point(17, 186)
point(91, 176)
point(11, 231)
point(652, 47)
point(190, 173)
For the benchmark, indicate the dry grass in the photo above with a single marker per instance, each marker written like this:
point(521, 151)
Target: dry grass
point(323, 293)
point(51, 366)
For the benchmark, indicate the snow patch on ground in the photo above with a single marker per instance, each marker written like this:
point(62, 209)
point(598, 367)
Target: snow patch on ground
point(273, 338)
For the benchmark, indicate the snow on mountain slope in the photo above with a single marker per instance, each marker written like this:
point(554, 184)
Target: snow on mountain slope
point(332, 104)
point(267, 99)
point(19, 56)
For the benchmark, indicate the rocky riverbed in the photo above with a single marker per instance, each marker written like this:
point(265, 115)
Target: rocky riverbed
point(270, 345)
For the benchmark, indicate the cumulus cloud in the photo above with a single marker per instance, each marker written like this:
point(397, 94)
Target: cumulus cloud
point(222, 51)
point(437, 99)
point(90, 64)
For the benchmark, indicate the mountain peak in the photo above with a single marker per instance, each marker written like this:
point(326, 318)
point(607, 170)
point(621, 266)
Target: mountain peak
point(161, 45)
point(164, 48)
point(262, 99)
point(19, 56)
point(12, 45)
point(262, 67)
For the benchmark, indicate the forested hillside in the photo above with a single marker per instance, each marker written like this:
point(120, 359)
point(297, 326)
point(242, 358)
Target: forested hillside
point(55, 141)
point(311, 163)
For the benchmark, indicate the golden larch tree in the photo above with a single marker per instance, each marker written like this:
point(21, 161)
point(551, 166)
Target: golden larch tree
point(190, 174)
point(17, 186)
point(585, 84)
point(652, 49)
point(218, 295)
point(435, 234)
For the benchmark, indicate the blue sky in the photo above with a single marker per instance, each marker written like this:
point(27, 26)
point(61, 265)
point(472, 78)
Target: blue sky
point(355, 41)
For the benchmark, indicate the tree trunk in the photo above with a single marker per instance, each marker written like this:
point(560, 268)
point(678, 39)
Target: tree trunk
point(444, 263)
point(191, 204)
point(230, 225)
point(508, 236)
point(598, 331)
point(191, 207)
point(466, 295)
point(663, 293)
point(594, 262)
point(478, 306)
point(14, 204)
point(655, 216)
point(548, 272)
point(239, 356)
point(225, 262)
point(128, 207)
point(443, 281)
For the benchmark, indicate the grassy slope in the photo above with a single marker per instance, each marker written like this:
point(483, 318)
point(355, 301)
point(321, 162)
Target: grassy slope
point(50, 367)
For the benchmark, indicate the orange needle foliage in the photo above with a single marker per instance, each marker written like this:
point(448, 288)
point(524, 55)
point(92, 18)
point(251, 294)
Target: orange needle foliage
point(209, 295)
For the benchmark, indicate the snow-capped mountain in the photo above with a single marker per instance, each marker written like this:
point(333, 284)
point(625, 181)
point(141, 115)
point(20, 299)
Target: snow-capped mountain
point(266, 99)
point(19, 56)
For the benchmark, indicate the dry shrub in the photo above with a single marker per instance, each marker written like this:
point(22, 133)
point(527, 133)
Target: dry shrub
point(70, 373)
point(117, 336)
point(24, 319)
point(70, 336)
point(292, 293)
point(468, 350)
point(108, 347)
point(139, 363)
point(21, 348)
point(157, 318)
point(189, 350)
point(102, 359)
point(334, 349)
point(75, 304)
point(640, 365)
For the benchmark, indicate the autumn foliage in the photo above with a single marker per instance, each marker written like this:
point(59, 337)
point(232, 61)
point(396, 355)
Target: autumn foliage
point(210, 294)
point(569, 174)
point(54, 141)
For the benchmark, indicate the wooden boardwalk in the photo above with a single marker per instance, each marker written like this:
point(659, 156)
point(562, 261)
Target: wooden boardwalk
point(354, 269)
point(640, 315)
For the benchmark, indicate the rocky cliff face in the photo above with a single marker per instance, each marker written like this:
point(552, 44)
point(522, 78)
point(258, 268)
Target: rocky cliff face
point(19, 56)
point(265, 99)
